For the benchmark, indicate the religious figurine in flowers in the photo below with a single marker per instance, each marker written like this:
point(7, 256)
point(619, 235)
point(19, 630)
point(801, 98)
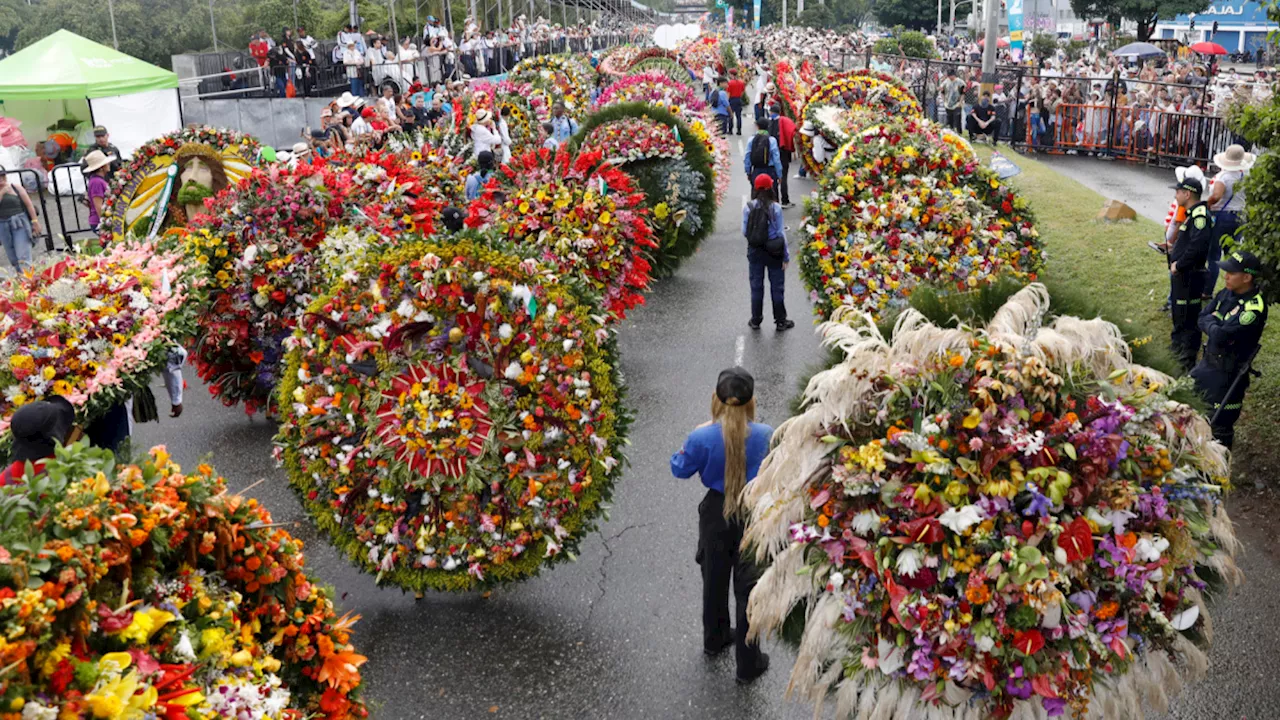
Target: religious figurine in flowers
point(1009, 522)
point(451, 416)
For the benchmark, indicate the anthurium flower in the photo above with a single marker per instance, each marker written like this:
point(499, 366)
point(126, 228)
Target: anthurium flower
point(1028, 642)
point(1077, 540)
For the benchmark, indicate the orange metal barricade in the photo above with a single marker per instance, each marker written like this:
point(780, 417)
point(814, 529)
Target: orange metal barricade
point(1131, 133)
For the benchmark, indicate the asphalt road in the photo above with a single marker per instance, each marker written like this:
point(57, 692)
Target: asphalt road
point(617, 634)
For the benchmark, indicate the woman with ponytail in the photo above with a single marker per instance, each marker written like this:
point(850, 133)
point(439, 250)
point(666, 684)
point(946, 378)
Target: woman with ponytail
point(726, 453)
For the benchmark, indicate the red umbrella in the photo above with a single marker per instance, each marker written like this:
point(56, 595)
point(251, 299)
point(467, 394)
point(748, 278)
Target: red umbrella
point(1001, 43)
point(1208, 48)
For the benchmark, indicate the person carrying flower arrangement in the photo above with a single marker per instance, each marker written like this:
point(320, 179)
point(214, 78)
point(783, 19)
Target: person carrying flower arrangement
point(725, 452)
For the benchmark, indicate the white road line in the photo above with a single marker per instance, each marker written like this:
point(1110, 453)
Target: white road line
point(739, 350)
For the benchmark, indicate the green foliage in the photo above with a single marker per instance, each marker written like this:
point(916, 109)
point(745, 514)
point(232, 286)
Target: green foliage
point(911, 43)
point(728, 56)
point(666, 66)
point(1260, 125)
point(1144, 13)
point(817, 16)
point(696, 155)
point(912, 14)
point(1044, 45)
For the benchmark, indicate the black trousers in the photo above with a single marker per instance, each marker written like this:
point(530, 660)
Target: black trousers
point(785, 155)
point(1184, 302)
point(1213, 384)
point(722, 562)
point(735, 107)
point(953, 119)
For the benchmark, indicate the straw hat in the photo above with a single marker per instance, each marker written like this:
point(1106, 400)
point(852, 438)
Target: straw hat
point(97, 159)
point(346, 100)
point(301, 148)
point(1234, 158)
point(483, 116)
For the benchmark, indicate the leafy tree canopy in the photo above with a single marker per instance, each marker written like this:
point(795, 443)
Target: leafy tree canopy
point(912, 14)
point(1146, 13)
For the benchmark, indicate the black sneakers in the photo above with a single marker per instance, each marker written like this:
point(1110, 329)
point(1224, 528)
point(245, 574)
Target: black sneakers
point(753, 324)
point(757, 672)
point(786, 325)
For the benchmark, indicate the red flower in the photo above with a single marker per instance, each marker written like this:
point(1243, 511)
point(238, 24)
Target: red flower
point(1077, 540)
point(1028, 641)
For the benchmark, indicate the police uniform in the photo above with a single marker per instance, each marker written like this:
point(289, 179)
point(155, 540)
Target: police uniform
point(1233, 325)
point(1187, 261)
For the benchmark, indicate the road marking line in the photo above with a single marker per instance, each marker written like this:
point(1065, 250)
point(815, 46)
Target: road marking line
point(739, 350)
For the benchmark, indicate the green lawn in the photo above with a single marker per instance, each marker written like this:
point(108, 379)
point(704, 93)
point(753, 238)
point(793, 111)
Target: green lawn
point(1111, 265)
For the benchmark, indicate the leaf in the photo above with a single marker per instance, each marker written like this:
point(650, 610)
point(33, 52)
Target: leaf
point(1069, 450)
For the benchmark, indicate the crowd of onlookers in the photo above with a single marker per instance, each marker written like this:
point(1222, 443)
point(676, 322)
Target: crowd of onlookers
point(295, 63)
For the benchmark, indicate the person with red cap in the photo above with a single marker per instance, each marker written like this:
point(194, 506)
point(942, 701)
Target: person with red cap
point(767, 252)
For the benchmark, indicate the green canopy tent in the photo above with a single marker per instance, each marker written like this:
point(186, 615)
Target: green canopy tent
point(66, 76)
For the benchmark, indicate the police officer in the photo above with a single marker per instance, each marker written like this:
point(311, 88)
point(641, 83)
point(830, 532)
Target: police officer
point(1232, 323)
point(1187, 261)
point(102, 141)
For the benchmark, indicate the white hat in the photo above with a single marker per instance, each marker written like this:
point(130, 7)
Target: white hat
point(97, 159)
point(284, 156)
point(483, 116)
point(1234, 158)
point(301, 148)
point(346, 100)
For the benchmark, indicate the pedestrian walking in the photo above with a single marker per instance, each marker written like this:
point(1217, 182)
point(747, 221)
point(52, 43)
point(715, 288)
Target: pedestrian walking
point(762, 155)
point(726, 453)
point(1232, 324)
point(719, 102)
point(783, 129)
point(19, 223)
point(767, 253)
point(1187, 259)
point(736, 90)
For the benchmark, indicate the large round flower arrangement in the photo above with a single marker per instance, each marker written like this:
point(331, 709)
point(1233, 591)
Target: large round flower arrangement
point(700, 53)
point(579, 214)
point(443, 171)
point(633, 139)
point(451, 418)
point(670, 69)
point(654, 89)
point(258, 241)
point(137, 190)
point(899, 209)
point(93, 328)
point(875, 94)
point(617, 61)
point(556, 78)
point(140, 591)
point(1014, 522)
point(679, 187)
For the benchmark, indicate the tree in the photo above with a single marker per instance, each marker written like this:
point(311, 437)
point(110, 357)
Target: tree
point(1145, 13)
point(911, 43)
point(913, 14)
point(817, 16)
point(1044, 45)
point(850, 12)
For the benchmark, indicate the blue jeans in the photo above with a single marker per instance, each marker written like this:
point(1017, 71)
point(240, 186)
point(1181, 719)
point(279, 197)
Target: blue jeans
point(759, 262)
point(15, 235)
point(357, 86)
point(1226, 224)
point(281, 83)
point(735, 106)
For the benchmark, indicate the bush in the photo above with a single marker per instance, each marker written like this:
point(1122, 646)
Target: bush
point(911, 43)
point(1260, 125)
point(1044, 45)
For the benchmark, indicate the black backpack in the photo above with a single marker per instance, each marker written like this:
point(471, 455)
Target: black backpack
point(758, 225)
point(760, 152)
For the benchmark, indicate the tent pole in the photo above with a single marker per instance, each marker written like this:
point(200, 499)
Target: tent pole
point(111, 9)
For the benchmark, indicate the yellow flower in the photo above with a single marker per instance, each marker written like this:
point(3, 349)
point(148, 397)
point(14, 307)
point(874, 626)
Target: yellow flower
point(661, 211)
point(214, 641)
point(55, 656)
point(145, 624)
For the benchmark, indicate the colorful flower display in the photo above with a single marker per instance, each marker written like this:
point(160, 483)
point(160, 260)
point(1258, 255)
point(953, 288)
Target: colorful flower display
point(702, 52)
point(258, 242)
point(556, 78)
point(632, 139)
point(1009, 522)
point(579, 214)
point(654, 88)
point(451, 418)
point(443, 171)
point(874, 94)
point(93, 328)
point(140, 591)
point(900, 207)
point(137, 190)
point(617, 61)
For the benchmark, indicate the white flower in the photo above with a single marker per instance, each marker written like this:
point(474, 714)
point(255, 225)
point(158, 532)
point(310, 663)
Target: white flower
point(567, 345)
point(406, 308)
point(985, 644)
point(865, 522)
point(1148, 550)
point(513, 371)
point(961, 519)
point(835, 582)
point(551, 310)
point(909, 562)
point(477, 277)
point(505, 332)
point(250, 253)
point(183, 649)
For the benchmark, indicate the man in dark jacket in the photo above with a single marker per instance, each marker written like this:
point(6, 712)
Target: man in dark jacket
point(1187, 260)
point(1232, 323)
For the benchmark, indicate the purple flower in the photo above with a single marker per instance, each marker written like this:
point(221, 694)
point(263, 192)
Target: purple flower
point(1083, 599)
point(1018, 686)
point(1040, 503)
point(1054, 706)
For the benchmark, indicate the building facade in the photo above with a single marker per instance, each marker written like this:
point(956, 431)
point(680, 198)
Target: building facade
point(1242, 26)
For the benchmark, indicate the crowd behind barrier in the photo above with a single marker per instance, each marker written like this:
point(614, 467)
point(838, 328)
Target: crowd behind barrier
point(235, 74)
point(1092, 115)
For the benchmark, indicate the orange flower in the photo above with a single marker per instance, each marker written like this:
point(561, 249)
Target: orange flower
point(253, 563)
point(342, 670)
point(1107, 610)
point(978, 594)
point(823, 521)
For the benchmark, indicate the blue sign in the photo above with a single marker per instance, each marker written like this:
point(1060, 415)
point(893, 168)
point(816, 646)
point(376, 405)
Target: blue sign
point(1227, 12)
point(1015, 29)
point(755, 14)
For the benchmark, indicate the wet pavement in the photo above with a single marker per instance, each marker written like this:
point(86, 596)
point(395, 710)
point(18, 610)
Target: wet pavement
point(617, 634)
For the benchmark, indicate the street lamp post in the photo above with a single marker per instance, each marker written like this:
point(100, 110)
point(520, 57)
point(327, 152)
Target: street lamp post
point(954, 5)
point(992, 35)
point(938, 27)
point(213, 27)
point(111, 9)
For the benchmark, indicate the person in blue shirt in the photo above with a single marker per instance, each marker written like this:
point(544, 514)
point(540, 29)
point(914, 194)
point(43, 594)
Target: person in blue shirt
point(718, 99)
point(564, 126)
point(757, 160)
point(771, 258)
point(726, 453)
point(477, 180)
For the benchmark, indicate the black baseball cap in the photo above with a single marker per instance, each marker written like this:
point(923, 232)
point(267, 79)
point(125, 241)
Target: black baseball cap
point(38, 427)
point(735, 386)
point(1241, 261)
point(1190, 184)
